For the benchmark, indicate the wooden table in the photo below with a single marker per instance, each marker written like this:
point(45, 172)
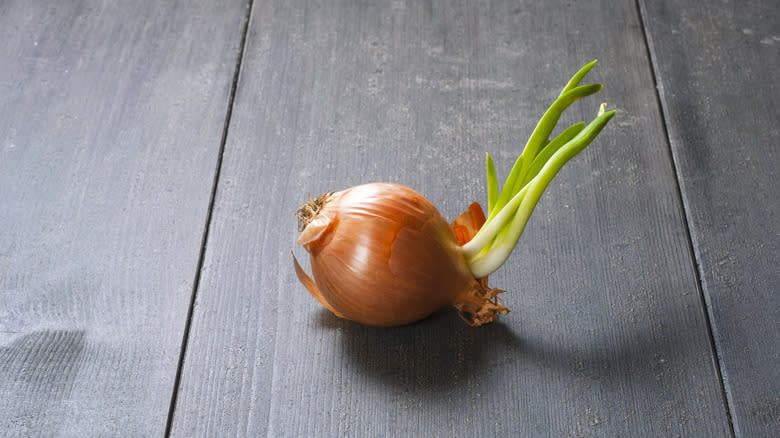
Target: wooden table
point(152, 154)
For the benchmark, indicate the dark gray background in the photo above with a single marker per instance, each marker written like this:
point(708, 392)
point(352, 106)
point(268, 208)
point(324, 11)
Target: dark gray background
point(152, 155)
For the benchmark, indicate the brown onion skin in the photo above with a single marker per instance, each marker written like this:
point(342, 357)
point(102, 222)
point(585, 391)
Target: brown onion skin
point(382, 255)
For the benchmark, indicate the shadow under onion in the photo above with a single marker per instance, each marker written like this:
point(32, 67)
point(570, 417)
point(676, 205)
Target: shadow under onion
point(442, 356)
point(437, 354)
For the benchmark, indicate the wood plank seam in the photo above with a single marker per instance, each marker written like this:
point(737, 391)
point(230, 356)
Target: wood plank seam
point(207, 225)
point(708, 317)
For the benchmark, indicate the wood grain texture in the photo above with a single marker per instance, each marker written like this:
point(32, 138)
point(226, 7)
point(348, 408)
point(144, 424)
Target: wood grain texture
point(111, 115)
point(607, 336)
point(717, 72)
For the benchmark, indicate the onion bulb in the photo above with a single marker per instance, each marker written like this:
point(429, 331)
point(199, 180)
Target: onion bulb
point(382, 254)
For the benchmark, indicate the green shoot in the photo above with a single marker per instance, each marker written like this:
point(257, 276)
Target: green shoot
point(492, 183)
point(509, 211)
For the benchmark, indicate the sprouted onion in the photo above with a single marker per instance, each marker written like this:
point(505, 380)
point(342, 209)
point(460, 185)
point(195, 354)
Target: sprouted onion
point(382, 255)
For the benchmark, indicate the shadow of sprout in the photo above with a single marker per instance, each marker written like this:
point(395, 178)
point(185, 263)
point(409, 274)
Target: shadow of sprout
point(443, 354)
point(436, 354)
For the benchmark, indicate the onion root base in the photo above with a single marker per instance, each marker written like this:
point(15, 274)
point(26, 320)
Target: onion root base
point(481, 304)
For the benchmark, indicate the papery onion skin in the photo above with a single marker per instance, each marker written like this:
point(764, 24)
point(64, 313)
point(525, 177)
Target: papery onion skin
point(382, 255)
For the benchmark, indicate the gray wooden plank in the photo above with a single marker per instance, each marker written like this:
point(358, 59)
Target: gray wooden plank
point(717, 67)
point(607, 336)
point(111, 115)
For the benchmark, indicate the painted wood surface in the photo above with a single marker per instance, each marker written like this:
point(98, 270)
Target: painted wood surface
point(111, 115)
point(608, 335)
point(717, 72)
point(642, 291)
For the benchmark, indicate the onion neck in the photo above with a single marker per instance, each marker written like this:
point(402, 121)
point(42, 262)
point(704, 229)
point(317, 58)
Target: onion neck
point(309, 210)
